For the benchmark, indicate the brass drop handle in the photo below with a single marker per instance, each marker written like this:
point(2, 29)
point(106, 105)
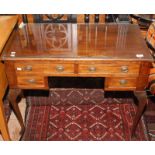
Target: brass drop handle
point(92, 69)
point(123, 82)
point(60, 68)
point(27, 68)
point(124, 69)
point(31, 80)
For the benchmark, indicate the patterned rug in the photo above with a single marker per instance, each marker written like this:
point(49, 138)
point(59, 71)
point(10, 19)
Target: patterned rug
point(80, 114)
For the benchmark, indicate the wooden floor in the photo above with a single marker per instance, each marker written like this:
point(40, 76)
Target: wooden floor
point(13, 125)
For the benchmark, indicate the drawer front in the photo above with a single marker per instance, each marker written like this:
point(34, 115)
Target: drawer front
point(59, 69)
point(120, 83)
point(29, 68)
point(46, 69)
point(107, 69)
point(30, 82)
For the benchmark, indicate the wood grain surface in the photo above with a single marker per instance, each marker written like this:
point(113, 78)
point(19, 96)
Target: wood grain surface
point(7, 24)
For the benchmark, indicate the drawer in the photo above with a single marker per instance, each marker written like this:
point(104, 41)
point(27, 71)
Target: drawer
point(45, 68)
point(109, 69)
point(59, 69)
point(29, 68)
point(30, 82)
point(120, 83)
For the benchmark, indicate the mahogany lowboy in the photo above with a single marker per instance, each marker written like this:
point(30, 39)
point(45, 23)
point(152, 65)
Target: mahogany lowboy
point(116, 52)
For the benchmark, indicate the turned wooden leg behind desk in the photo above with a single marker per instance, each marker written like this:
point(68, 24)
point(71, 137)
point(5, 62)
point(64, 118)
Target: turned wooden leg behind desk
point(3, 87)
point(3, 123)
point(12, 97)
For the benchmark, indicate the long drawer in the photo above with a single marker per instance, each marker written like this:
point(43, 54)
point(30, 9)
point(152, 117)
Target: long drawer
point(44, 69)
point(109, 69)
point(29, 68)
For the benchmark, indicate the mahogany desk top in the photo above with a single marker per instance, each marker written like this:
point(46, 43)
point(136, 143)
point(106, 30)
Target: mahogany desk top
point(78, 41)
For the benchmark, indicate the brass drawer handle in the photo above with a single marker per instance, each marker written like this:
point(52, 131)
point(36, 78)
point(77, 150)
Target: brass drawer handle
point(27, 68)
point(123, 82)
point(60, 68)
point(124, 69)
point(31, 81)
point(92, 69)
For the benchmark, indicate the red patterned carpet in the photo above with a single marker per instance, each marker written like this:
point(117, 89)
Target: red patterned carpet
point(80, 114)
